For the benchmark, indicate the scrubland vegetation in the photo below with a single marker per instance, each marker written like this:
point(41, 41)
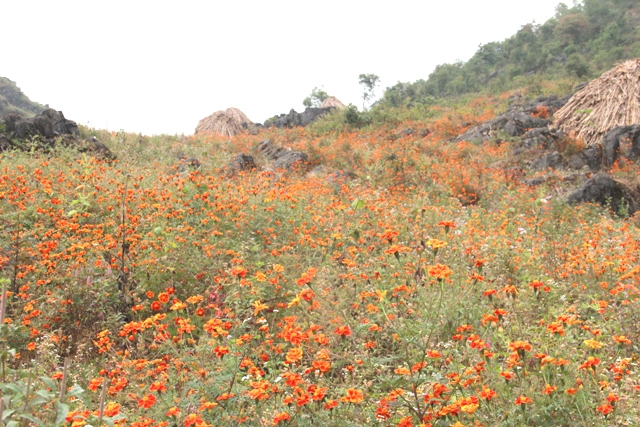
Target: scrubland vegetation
point(432, 289)
point(422, 285)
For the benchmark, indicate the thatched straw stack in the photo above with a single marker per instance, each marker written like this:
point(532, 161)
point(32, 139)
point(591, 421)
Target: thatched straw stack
point(333, 102)
point(611, 100)
point(229, 122)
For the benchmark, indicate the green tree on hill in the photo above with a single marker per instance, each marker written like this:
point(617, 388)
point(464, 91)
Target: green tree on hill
point(318, 95)
point(369, 83)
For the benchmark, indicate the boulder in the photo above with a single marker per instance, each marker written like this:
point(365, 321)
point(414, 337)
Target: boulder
point(240, 163)
point(282, 158)
point(93, 146)
point(540, 138)
point(517, 123)
point(548, 161)
point(604, 190)
point(187, 163)
point(622, 141)
point(590, 157)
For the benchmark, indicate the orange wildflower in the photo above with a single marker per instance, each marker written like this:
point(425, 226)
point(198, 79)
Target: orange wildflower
point(439, 272)
point(345, 331)
point(487, 393)
point(605, 409)
point(519, 347)
point(147, 401)
point(294, 355)
point(221, 350)
point(173, 412)
point(523, 400)
point(95, 383)
point(282, 416)
point(353, 396)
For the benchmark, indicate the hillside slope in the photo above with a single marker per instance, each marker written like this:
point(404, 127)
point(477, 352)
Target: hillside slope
point(12, 100)
point(579, 42)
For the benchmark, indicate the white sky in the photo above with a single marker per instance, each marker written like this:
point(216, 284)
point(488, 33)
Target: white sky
point(160, 66)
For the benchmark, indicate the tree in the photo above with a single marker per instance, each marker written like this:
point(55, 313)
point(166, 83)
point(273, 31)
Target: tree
point(369, 83)
point(318, 95)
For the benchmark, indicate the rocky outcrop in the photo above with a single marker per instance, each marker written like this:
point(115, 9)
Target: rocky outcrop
point(282, 158)
point(44, 131)
point(621, 142)
point(49, 124)
point(293, 119)
point(514, 123)
point(528, 120)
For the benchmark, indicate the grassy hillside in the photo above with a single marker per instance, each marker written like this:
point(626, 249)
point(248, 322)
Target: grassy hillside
point(398, 279)
point(579, 43)
point(12, 100)
point(430, 290)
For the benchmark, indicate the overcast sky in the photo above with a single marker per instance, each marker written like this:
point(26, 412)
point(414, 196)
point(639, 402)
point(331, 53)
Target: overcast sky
point(160, 66)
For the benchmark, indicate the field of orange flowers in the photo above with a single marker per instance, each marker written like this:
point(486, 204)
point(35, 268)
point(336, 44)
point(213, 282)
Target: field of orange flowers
point(430, 290)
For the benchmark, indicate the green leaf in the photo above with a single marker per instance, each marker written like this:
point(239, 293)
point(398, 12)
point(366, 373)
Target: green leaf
point(72, 212)
point(49, 382)
point(357, 204)
point(13, 388)
point(62, 412)
point(7, 413)
point(31, 418)
point(45, 394)
point(75, 391)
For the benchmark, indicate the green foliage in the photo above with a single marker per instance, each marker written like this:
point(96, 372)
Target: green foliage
point(577, 65)
point(12, 100)
point(318, 95)
point(354, 117)
point(581, 42)
point(369, 83)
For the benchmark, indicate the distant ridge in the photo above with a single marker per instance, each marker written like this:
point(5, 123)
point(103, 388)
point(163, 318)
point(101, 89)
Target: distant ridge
point(12, 100)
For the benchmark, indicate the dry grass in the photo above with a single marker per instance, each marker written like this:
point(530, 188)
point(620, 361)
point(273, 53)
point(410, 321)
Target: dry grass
point(332, 101)
point(229, 122)
point(611, 100)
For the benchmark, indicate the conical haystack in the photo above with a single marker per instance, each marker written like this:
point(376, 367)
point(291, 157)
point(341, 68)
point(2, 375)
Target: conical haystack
point(334, 102)
point(611, 100)
point(229, 122)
